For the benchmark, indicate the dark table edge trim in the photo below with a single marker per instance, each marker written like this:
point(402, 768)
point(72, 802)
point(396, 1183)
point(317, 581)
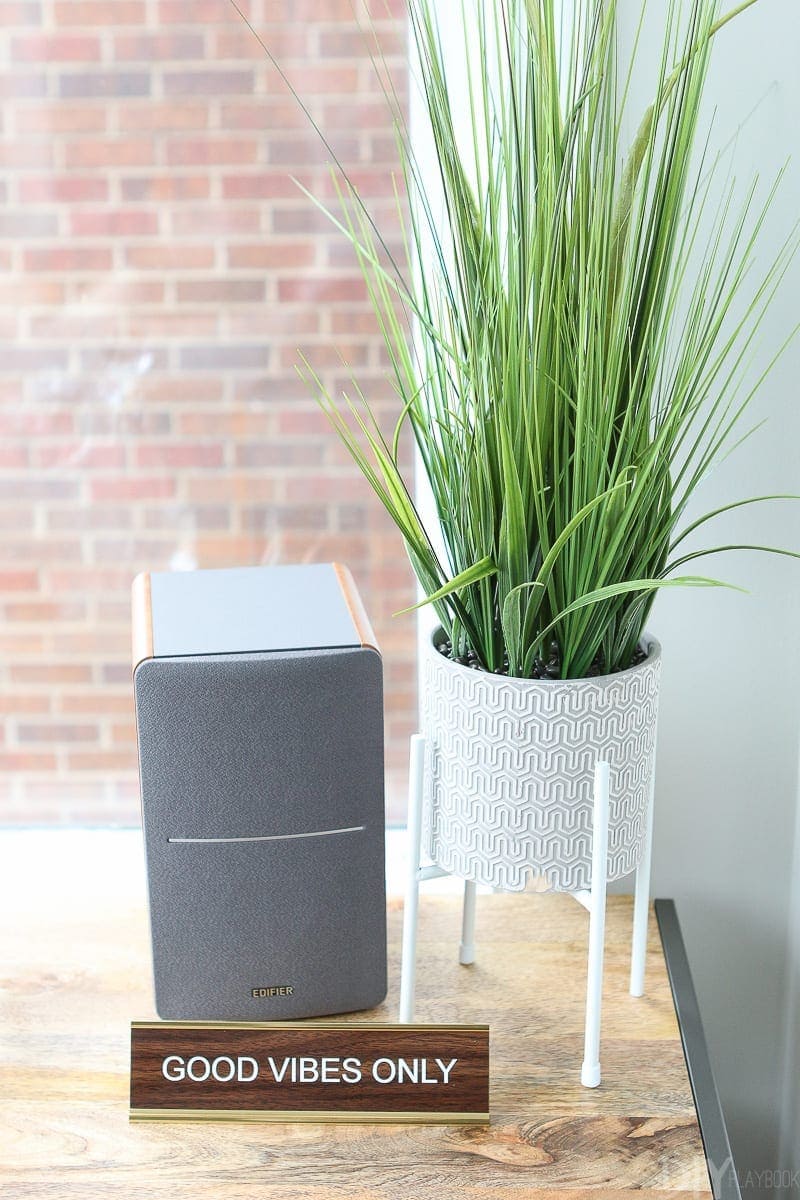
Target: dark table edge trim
point(716, 1144)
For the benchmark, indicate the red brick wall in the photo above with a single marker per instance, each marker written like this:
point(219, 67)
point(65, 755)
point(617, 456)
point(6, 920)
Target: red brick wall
point(159, 272)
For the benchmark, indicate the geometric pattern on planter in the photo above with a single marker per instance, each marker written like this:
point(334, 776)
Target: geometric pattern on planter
point(509, 770)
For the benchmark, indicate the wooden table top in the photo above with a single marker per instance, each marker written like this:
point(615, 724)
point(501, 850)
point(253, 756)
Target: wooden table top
point(73, 976)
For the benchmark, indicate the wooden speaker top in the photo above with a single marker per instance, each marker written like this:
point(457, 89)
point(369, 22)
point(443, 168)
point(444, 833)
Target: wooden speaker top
point(241, 610)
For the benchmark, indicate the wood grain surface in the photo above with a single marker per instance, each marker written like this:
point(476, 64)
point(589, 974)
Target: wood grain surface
point(420, 1072)
point(74, 975)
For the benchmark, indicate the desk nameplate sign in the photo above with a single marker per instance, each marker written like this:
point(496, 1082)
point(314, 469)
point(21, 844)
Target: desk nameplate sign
point(309, 1071)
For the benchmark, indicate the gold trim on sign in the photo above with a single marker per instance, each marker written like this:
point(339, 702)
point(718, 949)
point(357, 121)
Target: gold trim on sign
point(355, 607)
point(141, 620)
point(338, 1117)
point(355, 1026)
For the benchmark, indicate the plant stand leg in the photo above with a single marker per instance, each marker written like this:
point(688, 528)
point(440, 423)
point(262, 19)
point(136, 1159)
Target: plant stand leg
point(590, 1071)
point(641, 902)
point(466, 951)
point(408, 966)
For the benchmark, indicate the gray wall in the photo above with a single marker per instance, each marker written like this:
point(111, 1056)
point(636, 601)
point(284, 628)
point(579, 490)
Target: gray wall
point(728, 745)
point(789, 1148)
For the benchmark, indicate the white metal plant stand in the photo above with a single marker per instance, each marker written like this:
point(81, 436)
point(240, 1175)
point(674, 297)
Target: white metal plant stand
point(594, 900)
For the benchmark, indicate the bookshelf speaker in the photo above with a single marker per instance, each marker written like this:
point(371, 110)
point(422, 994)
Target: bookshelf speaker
point(259, 718)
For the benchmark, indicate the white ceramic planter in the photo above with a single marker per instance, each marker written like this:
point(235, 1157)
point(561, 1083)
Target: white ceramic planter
point(510, 764)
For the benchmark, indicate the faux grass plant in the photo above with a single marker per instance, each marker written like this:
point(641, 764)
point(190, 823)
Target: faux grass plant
point(579, 361)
